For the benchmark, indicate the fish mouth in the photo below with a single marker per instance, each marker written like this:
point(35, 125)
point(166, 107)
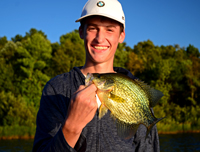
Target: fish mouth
point(88, 79)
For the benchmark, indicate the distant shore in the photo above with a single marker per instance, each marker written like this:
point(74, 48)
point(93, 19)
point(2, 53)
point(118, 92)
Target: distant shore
point(16, 137)
point(178, 132)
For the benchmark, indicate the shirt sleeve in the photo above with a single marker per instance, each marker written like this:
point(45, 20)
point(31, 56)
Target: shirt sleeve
point(50, 118)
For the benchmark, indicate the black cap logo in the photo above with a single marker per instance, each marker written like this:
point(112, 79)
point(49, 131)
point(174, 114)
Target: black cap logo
point(100, 4)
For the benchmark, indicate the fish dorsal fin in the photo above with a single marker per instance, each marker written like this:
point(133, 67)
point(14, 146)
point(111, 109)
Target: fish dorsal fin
point(155, 96)
point(152, 94)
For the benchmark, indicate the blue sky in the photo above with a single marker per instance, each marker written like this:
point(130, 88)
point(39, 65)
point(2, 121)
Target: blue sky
point(164, 22)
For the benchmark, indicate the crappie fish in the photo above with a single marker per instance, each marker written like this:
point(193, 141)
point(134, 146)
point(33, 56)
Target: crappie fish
point(128, 100)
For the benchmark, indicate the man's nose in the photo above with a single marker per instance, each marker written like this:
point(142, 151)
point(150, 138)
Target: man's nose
point(100, 36)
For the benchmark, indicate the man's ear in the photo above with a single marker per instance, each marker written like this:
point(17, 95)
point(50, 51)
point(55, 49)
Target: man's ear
point(81, 32)
point(122, 36)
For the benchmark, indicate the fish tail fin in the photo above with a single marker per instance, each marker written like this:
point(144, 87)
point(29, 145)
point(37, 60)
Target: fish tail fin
point(151, 125)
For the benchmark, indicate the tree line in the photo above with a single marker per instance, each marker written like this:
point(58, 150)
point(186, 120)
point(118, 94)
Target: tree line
point(28, 62)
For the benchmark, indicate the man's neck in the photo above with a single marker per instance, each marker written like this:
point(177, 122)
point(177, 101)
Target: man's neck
point(97, 68)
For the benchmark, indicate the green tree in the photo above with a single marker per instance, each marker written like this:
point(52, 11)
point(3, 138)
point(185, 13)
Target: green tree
point(16, 111)
point(148, 57)
point(70, 53)
point(32, 59)
point(7, 74)
point(17, 38)
point(121, 56)
point(3, 41)
point(192, 51)
point(135, 64)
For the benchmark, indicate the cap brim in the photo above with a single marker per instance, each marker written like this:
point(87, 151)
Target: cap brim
point(105, 15)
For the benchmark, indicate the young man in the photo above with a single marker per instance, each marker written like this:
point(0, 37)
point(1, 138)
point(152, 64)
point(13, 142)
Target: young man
point(68, 116)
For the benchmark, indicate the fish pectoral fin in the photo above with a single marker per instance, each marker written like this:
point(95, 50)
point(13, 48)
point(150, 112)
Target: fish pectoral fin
point(116, 98)
point(102, 111)
point(108, 88)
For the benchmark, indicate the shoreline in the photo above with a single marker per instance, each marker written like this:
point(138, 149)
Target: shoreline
point(178, 132)
point(16, 137)
point(159, 133)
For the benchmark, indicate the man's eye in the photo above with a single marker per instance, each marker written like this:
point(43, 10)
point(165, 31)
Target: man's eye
point(109, 30)
point(91, 28)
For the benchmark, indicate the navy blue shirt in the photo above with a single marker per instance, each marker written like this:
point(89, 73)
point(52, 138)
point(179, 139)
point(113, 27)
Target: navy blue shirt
point(97, 136)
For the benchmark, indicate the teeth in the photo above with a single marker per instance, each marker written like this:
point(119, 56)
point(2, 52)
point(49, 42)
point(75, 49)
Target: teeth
point(100, 47)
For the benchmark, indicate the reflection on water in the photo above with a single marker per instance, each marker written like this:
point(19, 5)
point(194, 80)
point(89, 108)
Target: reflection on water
point(180, 142)
point(168, 143)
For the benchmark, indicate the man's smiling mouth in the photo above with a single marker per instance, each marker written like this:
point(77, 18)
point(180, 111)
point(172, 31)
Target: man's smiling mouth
point(100, 47)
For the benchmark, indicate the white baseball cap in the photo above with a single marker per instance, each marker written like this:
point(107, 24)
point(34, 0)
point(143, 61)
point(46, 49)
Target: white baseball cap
point(108, 8)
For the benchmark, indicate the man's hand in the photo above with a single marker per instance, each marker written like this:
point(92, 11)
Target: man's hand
point(81, 111)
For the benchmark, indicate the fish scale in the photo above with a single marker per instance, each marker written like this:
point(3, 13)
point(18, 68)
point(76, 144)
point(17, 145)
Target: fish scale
point(128, 100)
point(136, 91)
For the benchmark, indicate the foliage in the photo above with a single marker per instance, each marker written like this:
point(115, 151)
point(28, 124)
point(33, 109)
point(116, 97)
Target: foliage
point(68, 54)
point(16, 111)
point(121, 56)
point(27, 63)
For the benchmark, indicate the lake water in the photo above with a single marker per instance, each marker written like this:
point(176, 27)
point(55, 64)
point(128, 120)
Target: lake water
point(168, 143)
point(180, 142)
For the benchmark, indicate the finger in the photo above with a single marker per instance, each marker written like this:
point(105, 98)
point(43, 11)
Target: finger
point(81, 87)
point(91, 89)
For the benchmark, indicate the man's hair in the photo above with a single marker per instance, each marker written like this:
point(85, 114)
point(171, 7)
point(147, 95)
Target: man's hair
point(83, 22)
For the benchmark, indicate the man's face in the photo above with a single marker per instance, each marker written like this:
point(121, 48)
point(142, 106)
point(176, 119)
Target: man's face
point(101, 37)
